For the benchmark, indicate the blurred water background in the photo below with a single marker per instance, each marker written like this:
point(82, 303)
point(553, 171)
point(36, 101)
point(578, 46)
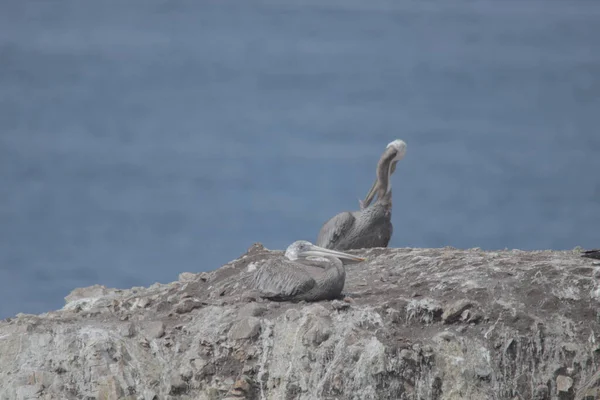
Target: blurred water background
point(144, 138)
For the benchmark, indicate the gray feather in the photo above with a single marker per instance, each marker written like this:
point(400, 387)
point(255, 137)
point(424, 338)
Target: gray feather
point(333, 230)
point(371, 227)
point(282, 279)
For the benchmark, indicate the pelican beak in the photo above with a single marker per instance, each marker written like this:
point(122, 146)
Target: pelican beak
point(316, 251)
point(364, 204)
point(369, 198)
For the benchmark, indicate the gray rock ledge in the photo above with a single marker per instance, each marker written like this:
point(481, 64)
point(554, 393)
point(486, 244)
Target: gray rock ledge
point(414, 324)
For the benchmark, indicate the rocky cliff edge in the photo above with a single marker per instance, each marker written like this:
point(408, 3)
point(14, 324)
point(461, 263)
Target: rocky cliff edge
point(415, 324)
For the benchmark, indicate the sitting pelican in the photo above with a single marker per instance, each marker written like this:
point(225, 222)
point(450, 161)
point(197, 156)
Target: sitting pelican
point(371, 226)
point(595, 253)
point(310, 273)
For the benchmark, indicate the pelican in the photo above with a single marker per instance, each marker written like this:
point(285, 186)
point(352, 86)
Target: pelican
point(595, 253)
point(371, 226)
point(310, 273)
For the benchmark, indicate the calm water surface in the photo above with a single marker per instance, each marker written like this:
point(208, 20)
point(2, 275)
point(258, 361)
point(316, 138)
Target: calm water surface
point(142, 139)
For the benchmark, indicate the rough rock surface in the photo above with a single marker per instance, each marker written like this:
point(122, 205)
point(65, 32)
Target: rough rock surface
point(415, 324)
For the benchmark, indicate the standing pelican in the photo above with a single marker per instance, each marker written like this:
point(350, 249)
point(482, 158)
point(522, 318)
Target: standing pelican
point(371, 226)
point(310, 273)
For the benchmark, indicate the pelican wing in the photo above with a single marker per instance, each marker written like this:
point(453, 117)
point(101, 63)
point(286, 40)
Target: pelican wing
point(334, 229)
point(283, 280)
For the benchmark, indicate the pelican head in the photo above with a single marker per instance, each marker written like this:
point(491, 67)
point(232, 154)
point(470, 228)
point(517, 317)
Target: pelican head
point(303, 249)
point(399, 148)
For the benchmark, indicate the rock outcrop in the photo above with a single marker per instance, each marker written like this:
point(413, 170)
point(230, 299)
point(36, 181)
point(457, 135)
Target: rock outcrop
point(415, 324)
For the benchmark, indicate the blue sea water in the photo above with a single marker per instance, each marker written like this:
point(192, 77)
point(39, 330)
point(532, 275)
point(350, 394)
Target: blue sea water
point(142, 139)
